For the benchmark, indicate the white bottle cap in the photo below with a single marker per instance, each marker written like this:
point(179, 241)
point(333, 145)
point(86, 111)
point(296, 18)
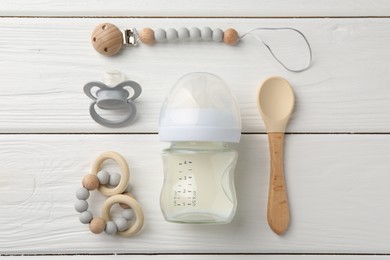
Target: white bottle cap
point(200, 107)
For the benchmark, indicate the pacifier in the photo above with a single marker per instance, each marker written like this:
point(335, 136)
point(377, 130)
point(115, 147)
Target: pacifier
point(113, 94)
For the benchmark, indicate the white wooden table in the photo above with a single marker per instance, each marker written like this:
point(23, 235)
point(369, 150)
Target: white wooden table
point(337, 153)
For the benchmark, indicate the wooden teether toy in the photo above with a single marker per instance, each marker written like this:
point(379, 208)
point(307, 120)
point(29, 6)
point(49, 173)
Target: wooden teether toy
point(100, 179)
point(107, 39)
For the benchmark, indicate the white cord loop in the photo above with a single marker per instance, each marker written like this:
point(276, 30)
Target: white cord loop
point(273, 54)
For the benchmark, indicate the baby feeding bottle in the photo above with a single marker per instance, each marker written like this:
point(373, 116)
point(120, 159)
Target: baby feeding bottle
point(199, 117)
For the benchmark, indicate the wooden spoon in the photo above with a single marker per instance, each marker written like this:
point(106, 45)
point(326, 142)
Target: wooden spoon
point(276, 103)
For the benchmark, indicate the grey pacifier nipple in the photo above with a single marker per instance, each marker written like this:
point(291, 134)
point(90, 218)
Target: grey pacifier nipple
point(113, 95)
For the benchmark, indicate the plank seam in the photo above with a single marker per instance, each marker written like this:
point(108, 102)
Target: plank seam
point(194, 17)
point(244, 133)
point(204, 254)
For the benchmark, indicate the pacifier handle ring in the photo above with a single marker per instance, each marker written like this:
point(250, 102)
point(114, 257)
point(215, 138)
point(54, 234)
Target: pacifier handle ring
point(133, 204)
point(114, 123)
point(125, 173)
point(134, 85)
point(88, 87)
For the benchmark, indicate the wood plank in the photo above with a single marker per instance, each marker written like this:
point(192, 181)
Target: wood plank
point(212, 257)
point(46, 62)
point(171, 8)
point(337, 187)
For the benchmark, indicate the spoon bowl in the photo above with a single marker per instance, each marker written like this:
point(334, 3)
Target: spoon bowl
point(276, 102)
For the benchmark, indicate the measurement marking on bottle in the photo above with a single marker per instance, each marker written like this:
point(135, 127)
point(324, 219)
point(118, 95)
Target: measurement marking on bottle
point(185, 194)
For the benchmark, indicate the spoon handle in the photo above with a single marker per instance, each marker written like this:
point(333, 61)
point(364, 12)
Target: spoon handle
point(278, 212)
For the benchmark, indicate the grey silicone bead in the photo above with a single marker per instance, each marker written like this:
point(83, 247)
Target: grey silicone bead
point(195, 34)
point(103, 177)
point(82, 193)
point(81, 205)
point(115, 178)
point(217, 35)
point(206, 33)
point(128, 214)
point(121, 224)
point(85, 217)
point(111, 228)
point(172, 35)
point(160, 35)
point(183, 34)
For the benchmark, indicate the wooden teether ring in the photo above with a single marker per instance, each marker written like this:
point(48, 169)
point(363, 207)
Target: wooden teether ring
point(107, 39)
point(125, 173)
point(125, 206)
point(133, 204)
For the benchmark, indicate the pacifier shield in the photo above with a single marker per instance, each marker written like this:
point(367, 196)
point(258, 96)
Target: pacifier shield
point(117, 99)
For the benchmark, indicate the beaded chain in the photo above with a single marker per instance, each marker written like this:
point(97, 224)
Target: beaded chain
point(148, 36)
point(117, 188)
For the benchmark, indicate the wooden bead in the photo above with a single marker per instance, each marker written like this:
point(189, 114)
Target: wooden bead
point(147, 36)
point(97, 225)
point(230, 37)
point(107, 39)
point(91, 182)
point(124, 206)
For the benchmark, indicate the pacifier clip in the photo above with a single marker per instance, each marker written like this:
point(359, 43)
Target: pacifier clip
point(108, 39)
